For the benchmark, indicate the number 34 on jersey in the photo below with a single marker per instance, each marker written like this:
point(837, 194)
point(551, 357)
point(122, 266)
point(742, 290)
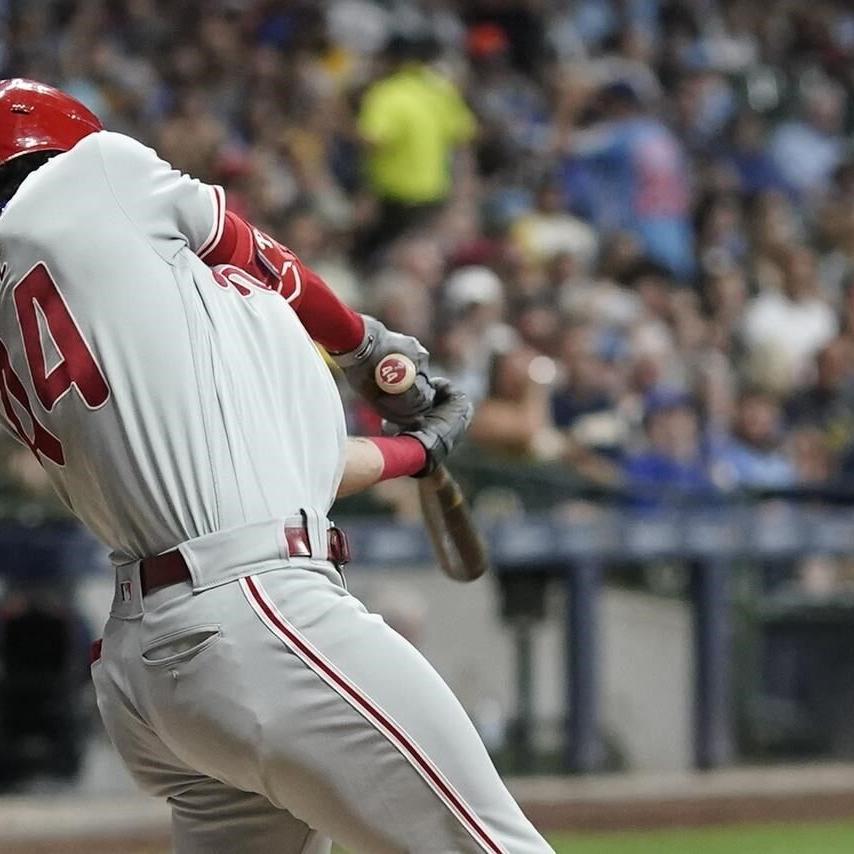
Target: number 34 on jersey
point(46, 324)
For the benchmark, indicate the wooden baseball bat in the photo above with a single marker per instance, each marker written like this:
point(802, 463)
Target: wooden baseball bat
point(459, 546)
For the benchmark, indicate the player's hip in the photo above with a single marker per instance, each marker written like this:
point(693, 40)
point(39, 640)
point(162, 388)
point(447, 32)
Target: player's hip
point(197, 668)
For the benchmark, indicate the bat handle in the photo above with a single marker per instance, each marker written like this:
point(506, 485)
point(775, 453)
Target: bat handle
point(395, 373)
point(446, 488)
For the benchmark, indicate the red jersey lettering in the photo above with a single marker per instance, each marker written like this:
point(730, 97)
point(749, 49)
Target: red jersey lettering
point(35, 294)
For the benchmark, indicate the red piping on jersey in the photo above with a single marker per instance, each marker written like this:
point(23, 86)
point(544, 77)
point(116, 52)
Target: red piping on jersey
point(328, 320)
point(373, 713)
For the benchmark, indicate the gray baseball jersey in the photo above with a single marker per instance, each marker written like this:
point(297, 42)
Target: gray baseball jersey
point(175, 405)
point(163, 401)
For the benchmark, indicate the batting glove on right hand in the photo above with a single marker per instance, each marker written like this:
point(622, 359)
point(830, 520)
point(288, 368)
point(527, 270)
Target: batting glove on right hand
point(441, 429)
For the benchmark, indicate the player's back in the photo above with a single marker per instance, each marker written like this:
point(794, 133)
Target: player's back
point(164, 401)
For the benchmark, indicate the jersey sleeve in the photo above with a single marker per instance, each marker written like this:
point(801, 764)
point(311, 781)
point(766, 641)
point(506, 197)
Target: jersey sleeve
point(169, 208)
point(328, 320)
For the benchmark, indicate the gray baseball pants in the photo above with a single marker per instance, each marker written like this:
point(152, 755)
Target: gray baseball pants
point(276, 714)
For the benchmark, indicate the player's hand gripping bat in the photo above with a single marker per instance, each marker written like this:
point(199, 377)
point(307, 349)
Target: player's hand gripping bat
point(460, 549)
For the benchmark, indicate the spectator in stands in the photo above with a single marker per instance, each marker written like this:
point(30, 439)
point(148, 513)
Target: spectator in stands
point(807, 149)
point(191, 137)
point(637, 177)
point(835, 232)
point(515, 417)
point(791, 324)
point(410, 122)
point(817, 465)
point(549, 230)
point(753, 457)
point(703, 105)
point(721, 233)
point(589, 385)
point(511, 108)
point(724, 295)
point(474, 306)
point(748, 157)
point(670, 463)
point(827, 403)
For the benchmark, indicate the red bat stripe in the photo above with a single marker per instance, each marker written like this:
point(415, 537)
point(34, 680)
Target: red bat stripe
point(292, 638)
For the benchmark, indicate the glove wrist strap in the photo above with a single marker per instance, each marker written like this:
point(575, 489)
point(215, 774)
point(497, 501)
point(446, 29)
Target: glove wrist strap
point(353, 357)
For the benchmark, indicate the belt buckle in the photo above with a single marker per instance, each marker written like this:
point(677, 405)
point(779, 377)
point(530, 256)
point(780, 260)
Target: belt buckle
point(339, 546)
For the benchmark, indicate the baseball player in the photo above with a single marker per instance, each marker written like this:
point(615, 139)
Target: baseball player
point(157, 356)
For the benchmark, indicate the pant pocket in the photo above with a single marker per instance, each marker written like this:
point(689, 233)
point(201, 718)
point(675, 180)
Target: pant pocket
point(180, 645)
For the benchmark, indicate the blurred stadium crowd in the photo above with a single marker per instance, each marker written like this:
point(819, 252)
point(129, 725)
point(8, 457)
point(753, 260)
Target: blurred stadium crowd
point(625, 226)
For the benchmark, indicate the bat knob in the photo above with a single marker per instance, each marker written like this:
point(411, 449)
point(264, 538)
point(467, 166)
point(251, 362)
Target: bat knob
point(395, 373)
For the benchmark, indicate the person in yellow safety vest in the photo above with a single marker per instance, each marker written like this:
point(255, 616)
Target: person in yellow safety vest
point(410, 122)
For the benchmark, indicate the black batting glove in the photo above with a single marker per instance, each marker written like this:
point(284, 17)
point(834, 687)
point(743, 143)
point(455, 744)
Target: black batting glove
point(442, 428)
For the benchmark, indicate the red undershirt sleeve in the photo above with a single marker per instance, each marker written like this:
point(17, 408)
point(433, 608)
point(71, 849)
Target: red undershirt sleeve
point(403, 456)
point(328, 320)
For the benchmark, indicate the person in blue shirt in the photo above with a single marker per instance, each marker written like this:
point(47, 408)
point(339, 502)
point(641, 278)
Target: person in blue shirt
point(753, 457)
point(628, 172)
point(748, 155)
point(671, 463)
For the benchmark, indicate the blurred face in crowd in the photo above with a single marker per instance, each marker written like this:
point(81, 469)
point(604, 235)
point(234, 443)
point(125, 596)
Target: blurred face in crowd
point(550, 198)
point(587, 372)
point(799, 272)
point(758, 420)
point(306, 235)
point(748, 132)
point(834, 365)
point(619, 253)
point(539, 325)
point(479, 315)
point(716, 392)
point(511, 374)
point(636, 43)
point(775, 224)
point(726, 296)
point(688, 325)
point(811, 456)
point(646, 371)
point(421, 257)
point(843, 180)
point(723, 218)
point(689, 99)
point(726, 293)
point(824, 109)
point(562, 268)
point(655, 291)
point(673, 432)
point(454, 345)
point(524, 276)
point(220, 36)
point(406, 307)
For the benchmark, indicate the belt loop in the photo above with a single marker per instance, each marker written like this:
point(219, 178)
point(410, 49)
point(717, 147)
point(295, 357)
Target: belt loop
point(316, 525)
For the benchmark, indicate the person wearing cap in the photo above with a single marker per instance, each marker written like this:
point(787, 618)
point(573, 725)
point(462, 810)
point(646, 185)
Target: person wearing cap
point(671, 461)
point(473, 297)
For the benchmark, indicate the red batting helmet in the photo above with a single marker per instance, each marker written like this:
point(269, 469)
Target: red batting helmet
point(36, 117)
